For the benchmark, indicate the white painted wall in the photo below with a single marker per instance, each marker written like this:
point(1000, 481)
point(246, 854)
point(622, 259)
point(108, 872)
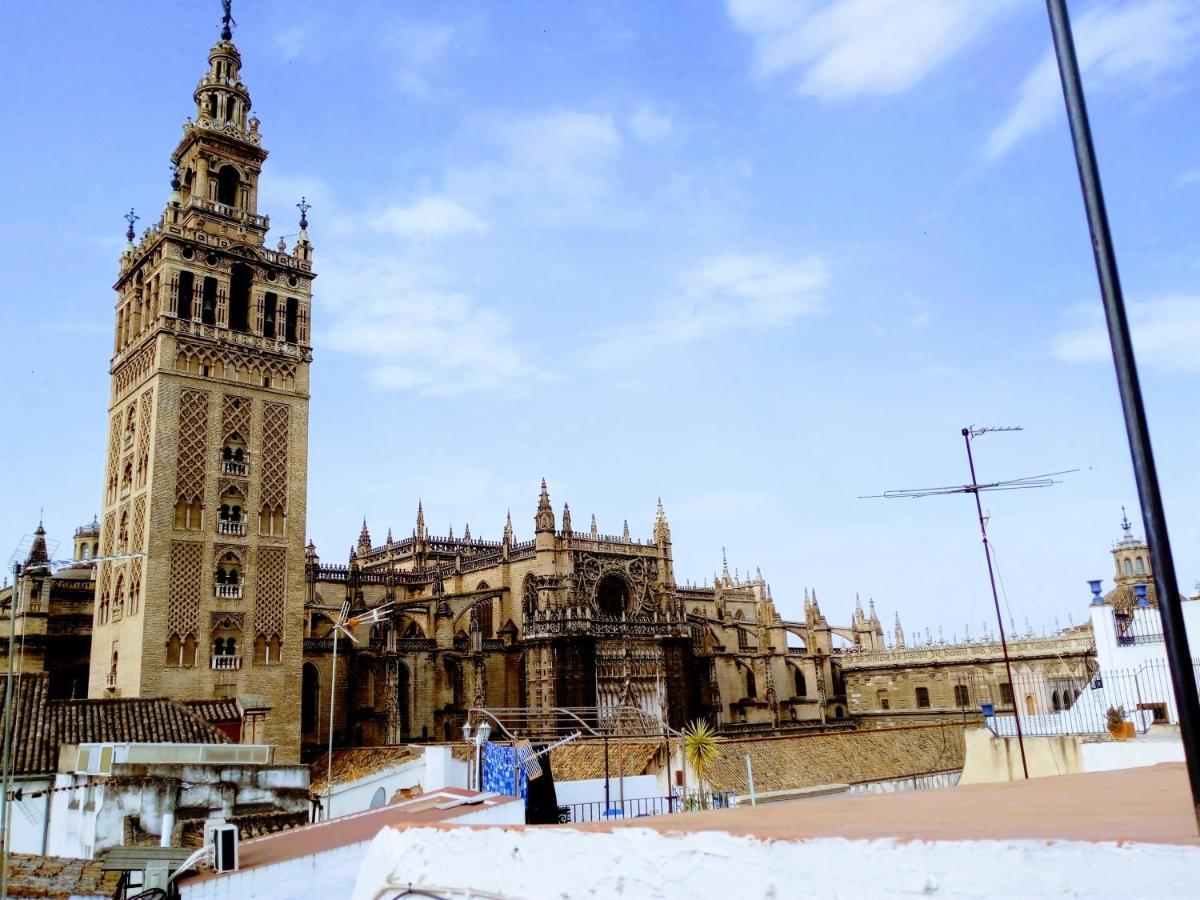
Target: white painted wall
point(591, 790)
point(562, 862)
point(27, 819)
point(435, 768)
point(1112, 655)
point(329, 875)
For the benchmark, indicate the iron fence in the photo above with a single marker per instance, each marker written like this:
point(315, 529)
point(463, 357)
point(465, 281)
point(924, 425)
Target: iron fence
point(1140, 625)
point(1050, 704)
point(636, 808)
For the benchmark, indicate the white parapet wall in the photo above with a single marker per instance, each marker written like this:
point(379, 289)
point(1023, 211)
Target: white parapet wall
point(635, 862)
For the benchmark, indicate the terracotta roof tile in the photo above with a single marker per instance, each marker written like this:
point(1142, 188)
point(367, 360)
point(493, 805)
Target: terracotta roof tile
point(849, 757)
point(584, 759)
point(352, 764)
point(220, 710)
point(43, 725)
point(54, 876)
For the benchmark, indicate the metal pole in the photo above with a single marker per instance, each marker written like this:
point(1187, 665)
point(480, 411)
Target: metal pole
point(9, 727)
point(607, 805)
point(1183, 678)
point(329, 758)
point(987, 552)
point(750, 776)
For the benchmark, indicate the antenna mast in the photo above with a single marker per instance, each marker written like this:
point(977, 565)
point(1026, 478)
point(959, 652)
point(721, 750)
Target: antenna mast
point(975, 488)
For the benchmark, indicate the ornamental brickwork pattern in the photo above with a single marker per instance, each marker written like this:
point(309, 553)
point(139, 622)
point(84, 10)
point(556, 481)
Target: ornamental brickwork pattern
point(183, 609)
point(270, 592)
point(193, 442)
point(235, 417)
point(274, 455)
point(143, 451)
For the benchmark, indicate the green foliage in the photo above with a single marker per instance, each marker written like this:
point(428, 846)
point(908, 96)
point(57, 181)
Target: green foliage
point(700, 748)
point(1116, 716)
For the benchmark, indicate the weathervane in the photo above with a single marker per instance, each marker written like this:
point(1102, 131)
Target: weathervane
point(1014, 484)
point(227, 21)
point(130, 217)
point(304, 206)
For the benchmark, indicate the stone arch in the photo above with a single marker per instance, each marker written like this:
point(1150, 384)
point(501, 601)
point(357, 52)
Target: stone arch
point(229, 179)
point(614, 594)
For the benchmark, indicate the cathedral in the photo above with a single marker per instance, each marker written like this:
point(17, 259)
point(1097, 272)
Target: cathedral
point(204, 587)
point(574, 619)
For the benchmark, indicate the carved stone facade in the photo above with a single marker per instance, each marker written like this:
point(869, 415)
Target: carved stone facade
point(568, 619)
point(208, 420)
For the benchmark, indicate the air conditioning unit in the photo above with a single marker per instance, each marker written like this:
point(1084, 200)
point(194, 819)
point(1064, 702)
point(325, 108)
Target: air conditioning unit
point(225, 848)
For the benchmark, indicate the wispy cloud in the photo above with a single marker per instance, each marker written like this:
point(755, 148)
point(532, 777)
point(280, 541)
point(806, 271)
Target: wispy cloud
point(555, 167)
point(291, 41)
point(1166, 333)
point(1121, 46)
point(430, 217)
point(847, 48)
point(721, 295)
point(650, 125)
point(415, 332)
point(421, 49)
point(1188, 177)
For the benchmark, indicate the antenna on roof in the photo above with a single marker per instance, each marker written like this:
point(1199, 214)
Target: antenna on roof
point(1013, 484)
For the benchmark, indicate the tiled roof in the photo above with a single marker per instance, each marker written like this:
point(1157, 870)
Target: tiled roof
point(42, 725)
point(359, 762)
point(221, 710)
point(848, 757)
point(583, 759)
point(57, 876)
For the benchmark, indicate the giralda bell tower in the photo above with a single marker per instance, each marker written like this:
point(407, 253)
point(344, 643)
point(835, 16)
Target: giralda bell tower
point(208, 436)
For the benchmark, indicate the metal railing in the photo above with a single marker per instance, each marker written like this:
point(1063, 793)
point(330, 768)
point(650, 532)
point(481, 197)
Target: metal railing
point(1140, 625)
point(235, 467)
point(1051, 705)
point(639, 807)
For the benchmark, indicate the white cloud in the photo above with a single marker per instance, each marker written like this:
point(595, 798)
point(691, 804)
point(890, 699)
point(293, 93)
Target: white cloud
point(416, 333)
point(650, 126)
point(554, 167)
point(1166, 333)
point(430, 217)
point(846, 48)
point(721, 295)
point(421, 48)
point(1120, 46)
point(1188, 177)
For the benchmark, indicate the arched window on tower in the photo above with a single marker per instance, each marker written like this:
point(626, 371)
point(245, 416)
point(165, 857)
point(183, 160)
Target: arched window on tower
point(1128, 567)
point(184, 290)
point(228, 181)
point(292, 315)
point(801, 685)
point(1139, 566)
point(208, 302)
point(240, 279)
point(751, 684)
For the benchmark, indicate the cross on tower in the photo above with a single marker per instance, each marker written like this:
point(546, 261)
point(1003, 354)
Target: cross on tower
point(304, 206)
point(130, 217)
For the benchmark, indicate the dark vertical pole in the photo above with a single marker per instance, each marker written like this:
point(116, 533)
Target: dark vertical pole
point(606, 802)
point(1183, 677)
point(987, 552)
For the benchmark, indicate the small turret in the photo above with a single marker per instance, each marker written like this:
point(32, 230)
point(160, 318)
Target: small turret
point(544, 519)
point(595, 530)
point(420, 531)
point(310, 554)
point(364, 540)
point(508, 530)
point(899, 633)
point(662, 530)
point(467, 534)
point(566, 519)
point(38, 554)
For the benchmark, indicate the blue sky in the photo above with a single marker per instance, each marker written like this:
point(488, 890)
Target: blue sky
point(757, 258)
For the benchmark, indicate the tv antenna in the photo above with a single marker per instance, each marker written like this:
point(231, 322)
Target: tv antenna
point(970, 433)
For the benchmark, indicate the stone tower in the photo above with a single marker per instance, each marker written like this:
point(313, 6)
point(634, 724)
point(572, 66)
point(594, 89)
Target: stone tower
point(208, 435)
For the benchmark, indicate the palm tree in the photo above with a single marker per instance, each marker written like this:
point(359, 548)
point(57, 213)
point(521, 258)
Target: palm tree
point(700, 749)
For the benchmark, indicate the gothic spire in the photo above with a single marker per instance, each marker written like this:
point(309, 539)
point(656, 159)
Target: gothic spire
point(595, 531)
point(566, 519)
point(508, 529)
point(625, 533)
point(364, 540)
point(38, 554)
point(420, 520)
point(662, 530)
point(467, 534)
point(544, 520)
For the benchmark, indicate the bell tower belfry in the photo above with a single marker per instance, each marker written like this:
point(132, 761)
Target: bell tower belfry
point(207, 453)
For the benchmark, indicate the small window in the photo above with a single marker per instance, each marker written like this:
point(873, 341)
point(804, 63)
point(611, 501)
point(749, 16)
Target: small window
point(923, 698)
point(266, 381)
point(1139, 566)
point(751, 685)
point(1006, 694)
point(1128, 567)
point(204, 369)
point(962, 697)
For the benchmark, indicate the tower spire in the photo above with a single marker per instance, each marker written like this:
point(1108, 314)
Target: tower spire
point(420, 533)
point(227, 21)
point(566, 518)
point(544, 520)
